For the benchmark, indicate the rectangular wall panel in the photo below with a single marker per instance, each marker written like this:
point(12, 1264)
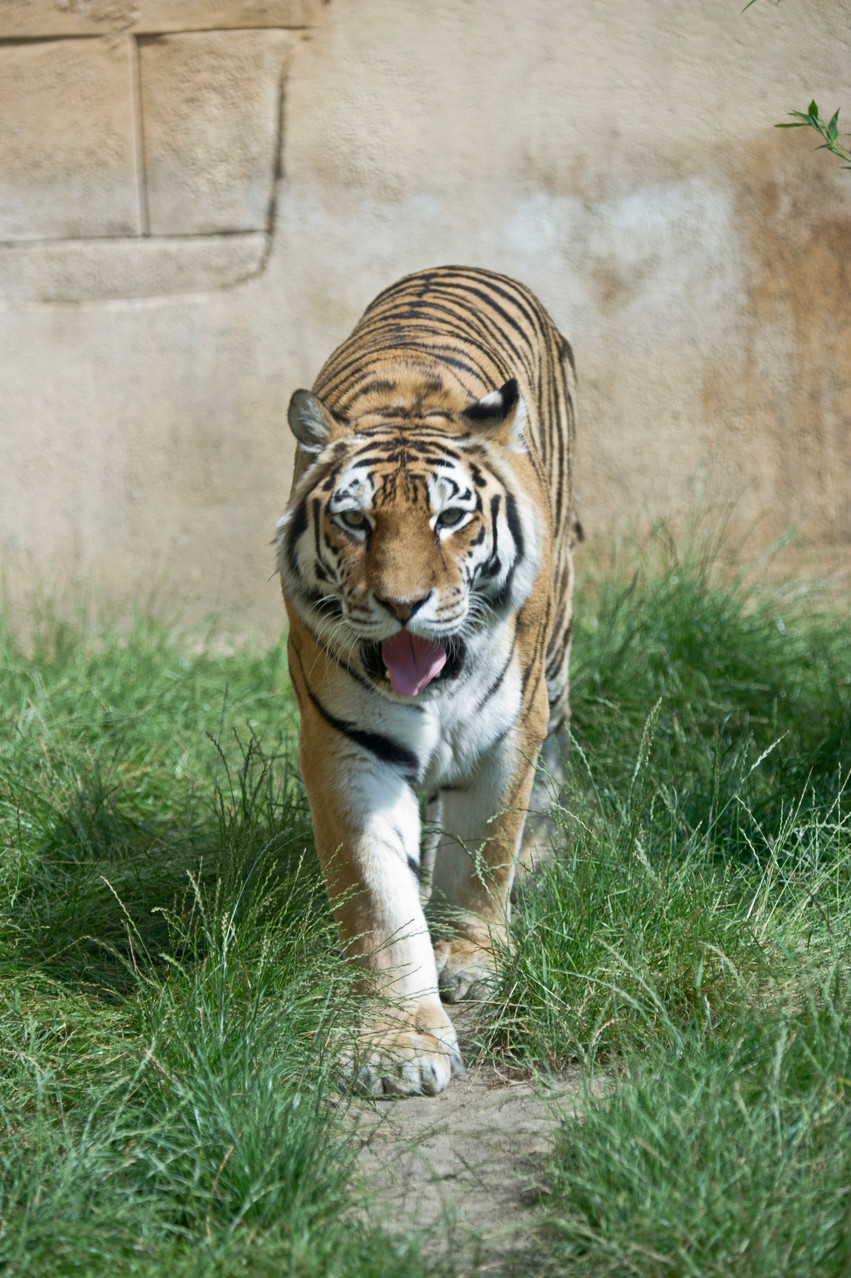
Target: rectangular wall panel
point(67, 140)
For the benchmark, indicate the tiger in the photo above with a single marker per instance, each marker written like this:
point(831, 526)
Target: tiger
point(426, 564)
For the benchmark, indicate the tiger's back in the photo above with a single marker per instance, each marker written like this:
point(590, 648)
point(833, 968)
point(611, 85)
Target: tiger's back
point(426, 565)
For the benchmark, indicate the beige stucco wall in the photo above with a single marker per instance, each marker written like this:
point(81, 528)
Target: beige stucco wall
point(198, 199)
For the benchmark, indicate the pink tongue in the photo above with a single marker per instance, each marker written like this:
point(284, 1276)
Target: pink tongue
point(412, 662)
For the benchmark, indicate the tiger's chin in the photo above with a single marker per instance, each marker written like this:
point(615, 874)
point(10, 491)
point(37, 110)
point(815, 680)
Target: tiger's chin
point(377, 672)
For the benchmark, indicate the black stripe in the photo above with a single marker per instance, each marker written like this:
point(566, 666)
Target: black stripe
point(317, 534)
point(328, 609)
point(537, 660)
point(514, 524)
point(333, 377)
point(297, 526)
point(500, 599)
point(513, 292)
point(364, 463)
point(378, 386)
point(492, 320)
point(493, 565)
point(509, 320)
point(384, 748)
point(436, 318)
point(498, 680)
point(345, 666)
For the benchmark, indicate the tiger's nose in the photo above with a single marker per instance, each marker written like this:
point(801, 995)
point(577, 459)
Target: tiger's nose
point(403, 609)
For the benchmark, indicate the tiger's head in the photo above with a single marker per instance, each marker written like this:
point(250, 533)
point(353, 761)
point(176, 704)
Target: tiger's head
point(406, 536)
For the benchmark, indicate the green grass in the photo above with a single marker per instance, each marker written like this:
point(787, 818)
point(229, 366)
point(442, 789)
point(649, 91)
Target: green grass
point(723, 1153)
point(172, 997)
point(691, 943)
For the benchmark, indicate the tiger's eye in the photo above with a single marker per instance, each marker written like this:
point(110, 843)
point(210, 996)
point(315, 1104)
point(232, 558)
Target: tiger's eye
point(450, 517)
point(354, 519)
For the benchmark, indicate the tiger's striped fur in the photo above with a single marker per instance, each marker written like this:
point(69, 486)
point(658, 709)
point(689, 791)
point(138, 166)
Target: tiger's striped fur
point(429, 530)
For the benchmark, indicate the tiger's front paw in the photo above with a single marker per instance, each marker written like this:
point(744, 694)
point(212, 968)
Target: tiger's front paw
point(465, 970)
point(405, 1055)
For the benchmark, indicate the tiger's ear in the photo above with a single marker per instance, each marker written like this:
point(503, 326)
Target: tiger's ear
point(311, 422)
point(501, 416)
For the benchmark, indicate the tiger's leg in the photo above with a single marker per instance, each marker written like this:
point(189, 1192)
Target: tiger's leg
point(430, 844)
point(366, 823)
point(474, 870)
point(540, 830)
point(550, 774)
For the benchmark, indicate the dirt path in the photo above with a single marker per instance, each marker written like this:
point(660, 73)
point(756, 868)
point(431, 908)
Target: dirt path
point(466, 1164)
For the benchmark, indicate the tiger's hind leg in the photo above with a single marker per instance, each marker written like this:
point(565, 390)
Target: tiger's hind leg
point(540, 832)
point(429, 844)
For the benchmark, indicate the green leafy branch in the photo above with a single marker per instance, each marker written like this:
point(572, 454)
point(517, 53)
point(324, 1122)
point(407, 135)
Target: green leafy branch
point(829, 131)
point(812, 120)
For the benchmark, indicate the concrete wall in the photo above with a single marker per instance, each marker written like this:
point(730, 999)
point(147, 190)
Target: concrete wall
point(198, 198)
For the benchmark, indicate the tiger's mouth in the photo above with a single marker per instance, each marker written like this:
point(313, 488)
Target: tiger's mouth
point(410, 663)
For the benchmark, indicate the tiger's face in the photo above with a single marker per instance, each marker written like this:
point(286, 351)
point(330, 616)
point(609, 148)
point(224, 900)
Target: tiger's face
point(402, 542)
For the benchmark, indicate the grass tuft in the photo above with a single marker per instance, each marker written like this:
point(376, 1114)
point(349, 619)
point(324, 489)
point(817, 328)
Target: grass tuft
point(173, 993)
point(691, 937)
point(717, 1155)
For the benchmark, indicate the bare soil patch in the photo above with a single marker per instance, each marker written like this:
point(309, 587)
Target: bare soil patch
point(465, 1165)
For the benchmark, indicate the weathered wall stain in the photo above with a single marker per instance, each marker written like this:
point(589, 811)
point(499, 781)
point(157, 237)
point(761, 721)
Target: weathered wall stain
point(785, 401)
